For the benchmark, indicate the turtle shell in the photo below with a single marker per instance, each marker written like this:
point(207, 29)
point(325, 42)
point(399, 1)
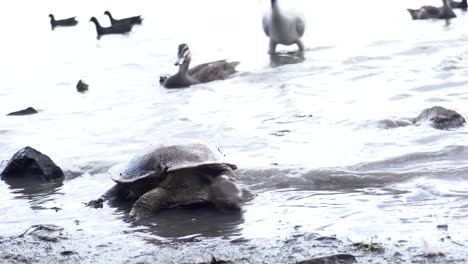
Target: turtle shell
point(146, 170)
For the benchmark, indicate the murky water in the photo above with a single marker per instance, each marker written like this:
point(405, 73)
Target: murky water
point(305, 136)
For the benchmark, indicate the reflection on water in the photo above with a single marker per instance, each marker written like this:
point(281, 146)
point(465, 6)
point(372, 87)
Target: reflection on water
point(281, 59)
point(35, 191)
point(189, 222)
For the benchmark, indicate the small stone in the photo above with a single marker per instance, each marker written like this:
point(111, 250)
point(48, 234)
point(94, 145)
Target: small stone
point(333, 259)
point(326, 238)
point(67, 253)
point(81, 86)
point(219, 261)
point(443, 227)
point(27, 111)
point(56, 208)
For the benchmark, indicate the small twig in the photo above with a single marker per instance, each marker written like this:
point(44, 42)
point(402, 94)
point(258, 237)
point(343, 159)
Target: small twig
point(29, 228)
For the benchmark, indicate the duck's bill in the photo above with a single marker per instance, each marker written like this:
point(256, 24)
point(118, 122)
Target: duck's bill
point(179, 61)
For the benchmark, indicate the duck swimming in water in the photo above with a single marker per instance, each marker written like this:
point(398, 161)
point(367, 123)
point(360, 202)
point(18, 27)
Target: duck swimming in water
point(432, 12)
point(67, 22)
point(203, 73)
point(114, 29)
point(127, 20)
point(283, 28)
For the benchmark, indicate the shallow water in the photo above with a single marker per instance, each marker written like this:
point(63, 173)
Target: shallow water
point(305, 136)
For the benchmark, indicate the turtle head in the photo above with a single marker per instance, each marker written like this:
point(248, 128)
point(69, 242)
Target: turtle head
point(225, 193)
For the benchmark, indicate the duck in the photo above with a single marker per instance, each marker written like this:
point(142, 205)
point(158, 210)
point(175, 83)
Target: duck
point(67, 22)
point(203, 73)
point(128, 20)
point(462, 5)
point(432, 12)
point(114, 29)
point(283, 28)
point(82, 86)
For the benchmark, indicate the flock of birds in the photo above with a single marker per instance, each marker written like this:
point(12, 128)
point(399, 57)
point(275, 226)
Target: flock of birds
point(280, 26)
point(118, 26)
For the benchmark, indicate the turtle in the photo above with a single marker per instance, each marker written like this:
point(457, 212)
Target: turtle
point(177, 175)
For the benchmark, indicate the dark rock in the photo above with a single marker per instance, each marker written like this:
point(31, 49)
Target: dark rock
point(326, 238)
point(27, 111)
point(67, 253)
point(441, 118)
point(81, 86)
point(29, 162)
point(333, 259)
point(219, 261)
point(431, 255)
point(438, 117)
point(443, 227)
point(240, 240)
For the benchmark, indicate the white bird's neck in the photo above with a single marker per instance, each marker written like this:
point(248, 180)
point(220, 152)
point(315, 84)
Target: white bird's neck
point(275, 7)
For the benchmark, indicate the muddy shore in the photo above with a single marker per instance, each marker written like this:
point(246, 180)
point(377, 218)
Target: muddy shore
point(53, 244)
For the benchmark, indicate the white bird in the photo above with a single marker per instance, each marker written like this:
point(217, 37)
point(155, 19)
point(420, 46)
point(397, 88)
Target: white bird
point(283, 28)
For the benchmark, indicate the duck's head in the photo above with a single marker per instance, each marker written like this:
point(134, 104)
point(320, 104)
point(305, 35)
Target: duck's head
point(51, 16)
point(107, 13)
point(183, 54)
point(93, 19)
point(162, 79)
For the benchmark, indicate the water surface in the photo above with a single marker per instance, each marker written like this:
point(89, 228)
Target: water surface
point(305, 136)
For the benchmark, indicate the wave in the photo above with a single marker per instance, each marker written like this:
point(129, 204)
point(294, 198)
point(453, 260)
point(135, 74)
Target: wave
point(449, 163)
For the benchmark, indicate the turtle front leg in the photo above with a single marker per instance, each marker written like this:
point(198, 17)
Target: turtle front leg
point(116, 192)
point(149, 203)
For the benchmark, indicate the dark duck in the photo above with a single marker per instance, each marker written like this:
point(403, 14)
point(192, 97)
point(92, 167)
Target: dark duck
point(128, 20)
point(67, 22)
point(114, 29)
point(203, 73)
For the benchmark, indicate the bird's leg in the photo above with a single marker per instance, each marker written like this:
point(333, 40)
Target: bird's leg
point(272, 49)
point(300, 45)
